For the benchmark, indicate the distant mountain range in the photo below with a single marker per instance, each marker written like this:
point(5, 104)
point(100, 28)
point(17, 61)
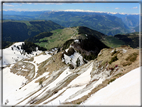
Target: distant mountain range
point(107, 23)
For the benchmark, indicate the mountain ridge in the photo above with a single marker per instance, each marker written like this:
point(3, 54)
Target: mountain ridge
point(76, 19)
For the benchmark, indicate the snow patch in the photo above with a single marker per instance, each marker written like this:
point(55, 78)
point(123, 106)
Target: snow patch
point(77, 41)
point(73, 58)
point(124, 50)
point(67, 50)
point(84, 78)
point(41, 58)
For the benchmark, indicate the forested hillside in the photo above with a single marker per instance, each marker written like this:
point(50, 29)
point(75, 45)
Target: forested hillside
point(21, 30)
point(131, 39)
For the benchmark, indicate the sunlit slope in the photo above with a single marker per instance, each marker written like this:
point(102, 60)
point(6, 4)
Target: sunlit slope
point(56, 38)
point(123, 91)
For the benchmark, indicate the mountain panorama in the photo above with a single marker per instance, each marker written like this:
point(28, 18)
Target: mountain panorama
point(52, 58)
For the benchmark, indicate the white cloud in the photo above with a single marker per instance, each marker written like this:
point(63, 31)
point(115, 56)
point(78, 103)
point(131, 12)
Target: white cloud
point(116, 8)
point(53, 3)
point(79, 10)
point(19, 9)
point(135, 7)
point(59, 3)
point(8, 9)
point(8, 5)
point(69, 10)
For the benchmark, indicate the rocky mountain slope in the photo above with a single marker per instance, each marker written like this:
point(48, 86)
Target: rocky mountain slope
point(66, 76)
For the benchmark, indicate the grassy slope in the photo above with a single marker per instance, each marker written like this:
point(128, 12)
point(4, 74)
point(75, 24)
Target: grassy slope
point(110, 41)
point(57, 38)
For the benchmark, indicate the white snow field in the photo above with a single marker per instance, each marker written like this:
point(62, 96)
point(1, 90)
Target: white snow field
point(123, 91)
point(11, 83)
point(12, 54)
point(41, 58)
point(73, 58)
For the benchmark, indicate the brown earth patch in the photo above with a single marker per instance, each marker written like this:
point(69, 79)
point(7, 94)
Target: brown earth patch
point(24, 69)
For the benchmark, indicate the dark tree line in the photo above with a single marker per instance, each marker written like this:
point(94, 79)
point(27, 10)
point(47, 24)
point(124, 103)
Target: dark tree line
point(29, 47)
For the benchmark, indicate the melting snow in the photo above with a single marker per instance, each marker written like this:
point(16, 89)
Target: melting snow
point(124, 50)
point(77, 41)
point(41, 58)
point(123, 91)
point(12, 54)
point(84, 78)
point(11, 83)
point(60, 78)
point(73, 58)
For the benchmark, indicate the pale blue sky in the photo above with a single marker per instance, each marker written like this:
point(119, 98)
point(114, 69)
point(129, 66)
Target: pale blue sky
point(128, 8)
